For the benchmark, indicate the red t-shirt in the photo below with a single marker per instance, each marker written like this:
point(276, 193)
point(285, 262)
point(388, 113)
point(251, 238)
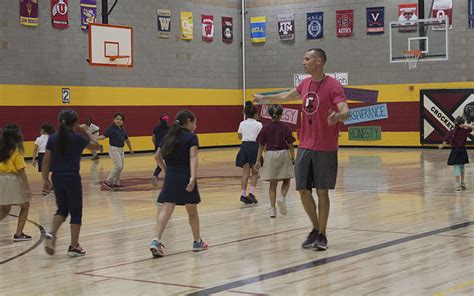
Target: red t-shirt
point(319, 98)
point(457, 137)
point(275, 136)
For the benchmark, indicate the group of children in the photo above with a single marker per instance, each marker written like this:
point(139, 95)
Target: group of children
point(176, 154)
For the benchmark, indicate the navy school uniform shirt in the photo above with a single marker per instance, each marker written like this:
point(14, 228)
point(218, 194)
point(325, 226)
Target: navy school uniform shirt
point(180, 155)
point(116, 135)
point(160, 131)
point(69, 162)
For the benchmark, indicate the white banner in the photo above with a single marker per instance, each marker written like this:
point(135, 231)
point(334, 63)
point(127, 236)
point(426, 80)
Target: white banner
point(343, 78)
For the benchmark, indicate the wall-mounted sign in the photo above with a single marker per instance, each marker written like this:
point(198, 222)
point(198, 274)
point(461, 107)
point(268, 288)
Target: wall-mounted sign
point(365, 133)
point(368, 113)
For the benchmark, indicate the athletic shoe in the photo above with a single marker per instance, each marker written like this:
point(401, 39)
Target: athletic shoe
point(252, 198)
point(45, 193)
point(156, 249)
point(312, 236)
point(21, 238)
point(458, 188)
point(108, 185)
point(199, 246)
point(245, 200)
point(463, 186)
point(76, 251)
point(154, 181)
point(50, 243)
point(282, 205)
point(321, 243)
point(273, 212)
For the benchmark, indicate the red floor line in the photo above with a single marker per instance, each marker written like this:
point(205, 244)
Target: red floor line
point(188, 251)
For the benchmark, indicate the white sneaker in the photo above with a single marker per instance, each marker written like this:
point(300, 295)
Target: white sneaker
point(458, 188)
point(273, 212)
point(154, 181)
point(282, 205)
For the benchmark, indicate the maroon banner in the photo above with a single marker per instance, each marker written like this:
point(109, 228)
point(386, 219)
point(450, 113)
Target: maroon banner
point(207, 27)
point(59, 14)
point(344, 22)
point(227, 30)
point(29, 13)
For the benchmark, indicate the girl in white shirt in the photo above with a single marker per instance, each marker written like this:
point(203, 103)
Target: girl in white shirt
point(247, 156)
point(40, 148)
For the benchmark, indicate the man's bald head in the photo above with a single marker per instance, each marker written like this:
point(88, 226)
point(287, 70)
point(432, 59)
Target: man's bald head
point(318, 53)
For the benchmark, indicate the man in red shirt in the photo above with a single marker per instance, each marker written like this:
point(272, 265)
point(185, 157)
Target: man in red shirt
point(324, 107)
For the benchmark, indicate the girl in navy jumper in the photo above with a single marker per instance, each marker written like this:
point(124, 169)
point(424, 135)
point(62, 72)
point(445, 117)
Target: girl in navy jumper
point(177, 157)
point(159, 133)
point(63, 157)
point(458, 157)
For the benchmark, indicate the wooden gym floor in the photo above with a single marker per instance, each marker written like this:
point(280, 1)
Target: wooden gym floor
point(396, 228)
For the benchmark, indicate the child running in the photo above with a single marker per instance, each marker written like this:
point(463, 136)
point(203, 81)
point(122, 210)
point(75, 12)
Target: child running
point(117, 138)
point(159, 133)
point(177, 156)
point(276, 140)
point(247, 156)
point(14, 186)
point(63, 157)
point(458, 157)
point(40, 148)
point(94, 129)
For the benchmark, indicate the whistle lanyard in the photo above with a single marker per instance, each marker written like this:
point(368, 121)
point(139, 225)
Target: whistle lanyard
point(310, 121)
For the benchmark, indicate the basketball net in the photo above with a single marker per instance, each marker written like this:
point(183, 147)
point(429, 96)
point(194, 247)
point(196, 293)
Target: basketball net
point(412, 57)
point(120, 61)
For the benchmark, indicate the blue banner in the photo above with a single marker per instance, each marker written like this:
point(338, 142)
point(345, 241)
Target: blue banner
point(471, 14)
point(314, 24)
point(258, 29)
point(368, 113)
point(375, 20)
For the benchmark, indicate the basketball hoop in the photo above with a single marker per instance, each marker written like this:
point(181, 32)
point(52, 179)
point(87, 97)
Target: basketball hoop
point(412, 57)
point(119, 61)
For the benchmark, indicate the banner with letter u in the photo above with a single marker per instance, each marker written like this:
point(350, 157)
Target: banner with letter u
point(187, 25)
point(258, 29)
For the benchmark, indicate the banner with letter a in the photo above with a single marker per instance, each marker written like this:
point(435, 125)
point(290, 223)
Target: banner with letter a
point(227, 29)
point(258, 29)
point(286, 27)
point(314, 24)
point(375, 20)
point(59, 14)
point(164, 23)
point(442, 9)
point(187, 25)
point(207, 22)
point(88, 13)
point(29, 13)
point(470, 14)
point(344, 22)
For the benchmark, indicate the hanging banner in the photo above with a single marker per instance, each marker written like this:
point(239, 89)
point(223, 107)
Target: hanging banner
point(407, 12)
point(442, 9)
point(344, 22)
point(187, 25)
point(59, 14)
point(88, 13)
point(470, 13)
point(375, 20)
point(29, 13)
point(164, 23)
point(227, 30)
point(314, 24)
point(286, 27)
point(207, 28)
point(288, 115)
point(258, 29)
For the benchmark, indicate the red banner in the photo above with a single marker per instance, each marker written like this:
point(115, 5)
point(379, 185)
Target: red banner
point(344, 22)
point(59, 14)
point(207, 28)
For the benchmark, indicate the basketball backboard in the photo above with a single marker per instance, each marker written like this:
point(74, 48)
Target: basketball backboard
point(430, 36)
point(110, 45)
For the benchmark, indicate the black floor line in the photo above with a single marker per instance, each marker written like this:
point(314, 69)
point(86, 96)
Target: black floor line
point(40, 240)
point(305, 266)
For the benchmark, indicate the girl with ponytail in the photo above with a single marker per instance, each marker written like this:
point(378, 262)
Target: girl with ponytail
point(14, 186)
point(247, 156)
point(458, 157)
point(277, 142)
point(177, 157)
point(62, 158)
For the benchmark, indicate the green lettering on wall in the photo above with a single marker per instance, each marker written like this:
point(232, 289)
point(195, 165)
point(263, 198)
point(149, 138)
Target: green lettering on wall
point(365, 133)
